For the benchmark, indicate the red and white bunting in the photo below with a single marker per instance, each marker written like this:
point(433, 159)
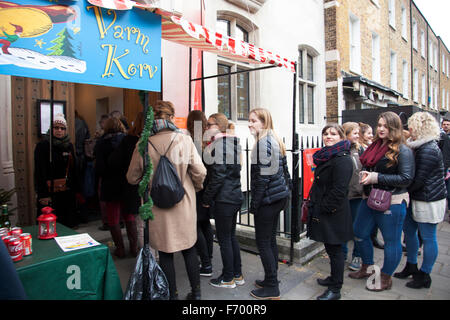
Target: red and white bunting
point(193, 35)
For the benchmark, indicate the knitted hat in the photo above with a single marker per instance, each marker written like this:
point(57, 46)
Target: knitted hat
point(59, 118)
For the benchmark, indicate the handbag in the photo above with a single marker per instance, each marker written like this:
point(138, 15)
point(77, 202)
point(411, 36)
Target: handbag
point(60, 185)
point(305, 208)
point(379, 199)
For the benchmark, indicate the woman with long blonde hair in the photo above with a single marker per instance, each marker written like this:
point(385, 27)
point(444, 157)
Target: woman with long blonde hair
point(270, 189)
point(388, 164)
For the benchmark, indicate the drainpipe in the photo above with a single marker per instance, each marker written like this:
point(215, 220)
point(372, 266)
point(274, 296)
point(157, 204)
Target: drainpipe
point(412, 51)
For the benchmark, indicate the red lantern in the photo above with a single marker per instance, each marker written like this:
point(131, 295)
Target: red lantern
point(47, 224)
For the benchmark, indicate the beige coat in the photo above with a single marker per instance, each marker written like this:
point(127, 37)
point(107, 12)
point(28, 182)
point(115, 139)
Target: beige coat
point(173, 229)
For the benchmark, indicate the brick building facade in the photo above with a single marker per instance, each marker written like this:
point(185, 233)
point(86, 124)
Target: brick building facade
point(382, 53)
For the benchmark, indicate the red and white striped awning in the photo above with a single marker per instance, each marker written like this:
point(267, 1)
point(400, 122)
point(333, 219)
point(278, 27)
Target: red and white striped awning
point(181, 31)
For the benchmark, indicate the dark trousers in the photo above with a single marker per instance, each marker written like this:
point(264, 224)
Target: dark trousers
point(204, 244)
point(225, 215)
point(191, 263)
point(336, 256)
point(266, 223)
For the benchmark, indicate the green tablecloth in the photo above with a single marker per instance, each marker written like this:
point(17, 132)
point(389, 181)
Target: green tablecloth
point(51, 273)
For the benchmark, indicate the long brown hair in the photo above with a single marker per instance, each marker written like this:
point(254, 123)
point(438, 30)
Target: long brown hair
point(114, 125)
point(266, 118)
point(395, 137)
point(163, 110)
point(193, 116)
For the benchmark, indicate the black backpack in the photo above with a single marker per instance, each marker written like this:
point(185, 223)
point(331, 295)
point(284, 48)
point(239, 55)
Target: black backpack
point(167, 189)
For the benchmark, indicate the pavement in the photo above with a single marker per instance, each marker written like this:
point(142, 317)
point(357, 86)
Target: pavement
point(298, 282)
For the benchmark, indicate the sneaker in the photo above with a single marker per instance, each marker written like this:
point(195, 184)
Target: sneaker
point(355, 265)
point(220, 283)
point(239, 280)
point(206, 271)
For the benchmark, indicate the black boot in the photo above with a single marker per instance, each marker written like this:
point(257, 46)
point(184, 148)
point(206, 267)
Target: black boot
point(266, 293)
point(195, 294)
point(420, 280)
point(410, 269)
point(325, 282)
point(330, 295)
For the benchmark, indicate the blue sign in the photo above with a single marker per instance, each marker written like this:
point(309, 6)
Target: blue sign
point(75, 41)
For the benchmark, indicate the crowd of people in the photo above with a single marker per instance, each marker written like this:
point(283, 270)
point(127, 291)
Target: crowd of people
point(406, 167)
point(409, 167)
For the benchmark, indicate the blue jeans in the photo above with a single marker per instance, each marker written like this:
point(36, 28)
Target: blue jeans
point(390, 224)
point(430, 245)
point(354, 206)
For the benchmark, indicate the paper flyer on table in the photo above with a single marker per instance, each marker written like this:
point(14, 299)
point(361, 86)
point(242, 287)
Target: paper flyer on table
point(76, 242)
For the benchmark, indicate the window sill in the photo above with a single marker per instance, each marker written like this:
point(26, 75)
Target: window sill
point(392, 27)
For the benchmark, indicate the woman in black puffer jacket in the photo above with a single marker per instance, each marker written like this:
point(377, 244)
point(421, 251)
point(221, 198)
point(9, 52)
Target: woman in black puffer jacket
point(223, 192)
point(428, 197)
point(270, 189)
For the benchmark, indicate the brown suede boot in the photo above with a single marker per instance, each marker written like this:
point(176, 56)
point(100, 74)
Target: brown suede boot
point(386, 283)
point(362, 273)
point(132, 237)
point(118, 240)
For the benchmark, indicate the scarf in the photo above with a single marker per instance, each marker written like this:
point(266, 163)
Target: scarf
point(63, 143)
point(161, 124)
point(373, 153)
point(326, 153)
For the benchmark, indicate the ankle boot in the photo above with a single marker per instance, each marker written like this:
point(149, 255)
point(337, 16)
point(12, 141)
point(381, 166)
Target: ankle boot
point(409, 270)
point(420, 280)
point(118, 240)
point(385, 283)
point(361, 273)
point(195, 294)
point(132, 237)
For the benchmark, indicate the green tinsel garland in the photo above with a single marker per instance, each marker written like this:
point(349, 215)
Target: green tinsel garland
point(145, 210)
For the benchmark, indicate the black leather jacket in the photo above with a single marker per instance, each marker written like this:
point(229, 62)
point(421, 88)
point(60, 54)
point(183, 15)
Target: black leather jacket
point(396, 178)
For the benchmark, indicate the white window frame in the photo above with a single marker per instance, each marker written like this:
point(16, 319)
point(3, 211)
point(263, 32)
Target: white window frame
point(424, 91)
point(235, 23)
point(404, 24)
point(304, 82)
point(393, 70)
point(405, 78)
point(443, 63)
point(430, 53)
point(443, 98)
point(416, 86)
point(392, 13)
point(436, 58)
point(376, 58)
point(355, 43)
point(422, 43)
point(414, 34)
